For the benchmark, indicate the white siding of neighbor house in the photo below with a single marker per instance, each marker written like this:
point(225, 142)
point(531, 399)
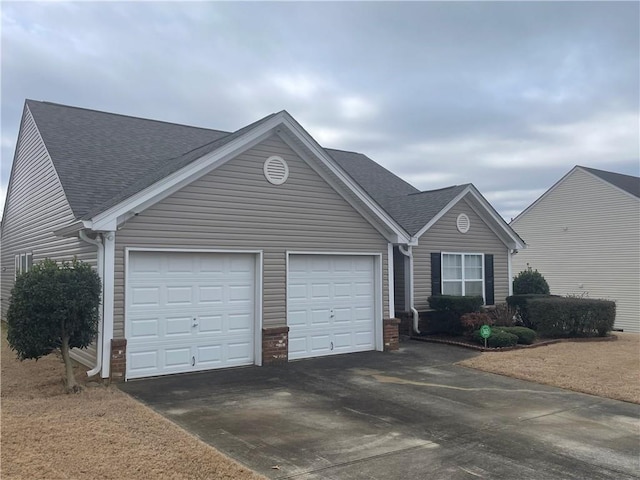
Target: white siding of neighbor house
point(235, 207)
point(584, 237)
point(444, 236)
point(35, 207)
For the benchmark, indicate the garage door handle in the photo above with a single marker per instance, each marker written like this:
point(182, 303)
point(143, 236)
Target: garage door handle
point(195, 322)
point(331, 345)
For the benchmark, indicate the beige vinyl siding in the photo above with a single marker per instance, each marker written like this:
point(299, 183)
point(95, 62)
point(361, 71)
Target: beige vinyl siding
point(35, 207)
point(235, 207)
point(444, 236)
point(584, 237)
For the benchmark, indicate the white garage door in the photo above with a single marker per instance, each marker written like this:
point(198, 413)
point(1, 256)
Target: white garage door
point(330, 305)
point(188, 311)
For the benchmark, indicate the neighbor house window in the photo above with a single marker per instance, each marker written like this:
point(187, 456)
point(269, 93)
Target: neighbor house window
point(23, 262)
point(463, 274)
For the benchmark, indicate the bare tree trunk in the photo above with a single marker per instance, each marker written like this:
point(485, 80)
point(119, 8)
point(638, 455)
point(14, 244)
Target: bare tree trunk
point(72, 385)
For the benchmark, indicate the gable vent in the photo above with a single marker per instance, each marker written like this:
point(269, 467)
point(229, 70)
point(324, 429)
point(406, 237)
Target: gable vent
point(463, 223)
point(276, 170)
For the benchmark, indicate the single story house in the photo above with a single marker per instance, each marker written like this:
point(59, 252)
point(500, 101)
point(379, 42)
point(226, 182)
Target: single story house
point(219, 249)
point(583, 235)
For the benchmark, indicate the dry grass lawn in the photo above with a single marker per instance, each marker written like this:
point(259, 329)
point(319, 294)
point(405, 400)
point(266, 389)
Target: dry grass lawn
point(607, 369)
point(100, 433)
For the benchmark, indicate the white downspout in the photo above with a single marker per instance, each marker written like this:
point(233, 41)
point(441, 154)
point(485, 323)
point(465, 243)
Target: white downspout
point(407, 252)
point(100, 252)
point(109, 240)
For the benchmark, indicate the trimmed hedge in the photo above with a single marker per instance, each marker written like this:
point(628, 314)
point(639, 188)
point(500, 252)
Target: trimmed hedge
point(520, 303)
point(452, 303)
point(498, 338)
point(571, 317)
point(448, 310)
point(525, 335)
point(530, 282)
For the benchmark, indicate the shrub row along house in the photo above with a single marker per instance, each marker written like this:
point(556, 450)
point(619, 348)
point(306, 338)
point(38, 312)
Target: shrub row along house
point(220, 249)
point(583, 235)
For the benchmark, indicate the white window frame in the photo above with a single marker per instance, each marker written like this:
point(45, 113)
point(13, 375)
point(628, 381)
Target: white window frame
point(22, 263)
point(463, 279)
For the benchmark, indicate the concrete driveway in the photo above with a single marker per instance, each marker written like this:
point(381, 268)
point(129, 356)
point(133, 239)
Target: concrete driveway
point(401, 415)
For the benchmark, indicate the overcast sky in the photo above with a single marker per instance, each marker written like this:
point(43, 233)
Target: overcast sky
point(508, 96)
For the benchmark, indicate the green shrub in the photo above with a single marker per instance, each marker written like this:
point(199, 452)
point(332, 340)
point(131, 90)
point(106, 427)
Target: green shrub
point(498, 338)
point(520, 303)
point(572, 317)
point(474, 320)
point(530, 282)
point(525, 335)
point(449, 309)
point(54, 307)
point(456, 304)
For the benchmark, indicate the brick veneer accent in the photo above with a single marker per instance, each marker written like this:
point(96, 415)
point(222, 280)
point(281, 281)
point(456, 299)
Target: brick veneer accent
point(275, 345)
point(118, 359)
point(390, 334)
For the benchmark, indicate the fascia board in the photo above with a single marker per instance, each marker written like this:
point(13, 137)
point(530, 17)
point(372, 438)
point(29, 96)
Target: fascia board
point(544, 195)
point(108, 220)
point(496, 220)
point(319, 152)
point(442, 212)
point(609, 183)
point(495, 225)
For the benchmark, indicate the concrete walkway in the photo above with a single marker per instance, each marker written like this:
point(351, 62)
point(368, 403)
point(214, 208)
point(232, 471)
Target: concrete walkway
point(402, 415)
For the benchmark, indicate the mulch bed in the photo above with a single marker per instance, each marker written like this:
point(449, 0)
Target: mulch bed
point(466, 343)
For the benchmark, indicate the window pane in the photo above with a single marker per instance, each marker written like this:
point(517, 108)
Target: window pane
point(452, 288)
point(473, 267)
point(473, 289)
point(451, 267)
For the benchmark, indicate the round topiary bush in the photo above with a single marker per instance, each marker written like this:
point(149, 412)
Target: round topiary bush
point(525, 335)
point(530, 281)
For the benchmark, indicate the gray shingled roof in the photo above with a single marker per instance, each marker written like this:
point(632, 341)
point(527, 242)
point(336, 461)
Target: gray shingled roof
point(408, 206)
point(628, 183)
point(99, 155)
point(104, 158)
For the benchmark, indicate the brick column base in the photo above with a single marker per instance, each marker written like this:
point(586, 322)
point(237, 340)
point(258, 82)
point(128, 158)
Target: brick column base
point(118, 360)
point(390, 334)
point(275, 345)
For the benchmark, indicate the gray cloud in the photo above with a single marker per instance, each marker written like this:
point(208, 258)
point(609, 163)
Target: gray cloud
point(507, 95)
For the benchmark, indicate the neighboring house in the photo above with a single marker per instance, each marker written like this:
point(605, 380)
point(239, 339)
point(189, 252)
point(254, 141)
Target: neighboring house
point(221, 249)
point(583, 235)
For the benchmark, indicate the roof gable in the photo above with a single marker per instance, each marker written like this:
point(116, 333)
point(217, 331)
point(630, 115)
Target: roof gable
point(113, 165)
point(627, 183)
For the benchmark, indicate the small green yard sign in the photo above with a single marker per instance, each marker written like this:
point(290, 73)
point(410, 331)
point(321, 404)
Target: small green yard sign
point(485, 332)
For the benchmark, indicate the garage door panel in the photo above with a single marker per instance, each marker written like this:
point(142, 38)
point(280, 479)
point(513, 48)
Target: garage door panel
point(177, 326)
point(210, 324)
point(189, 312)
point(146, 328)
point(145, 297)
point(210, 295)
point(330, 304)
point(179, 295)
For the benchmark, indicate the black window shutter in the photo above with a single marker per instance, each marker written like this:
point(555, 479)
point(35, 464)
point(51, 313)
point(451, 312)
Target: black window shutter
point(436, 283)
point(488, 279)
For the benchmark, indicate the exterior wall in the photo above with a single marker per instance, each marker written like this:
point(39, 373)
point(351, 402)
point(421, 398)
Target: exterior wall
point(35, 207)
point(399, 280)
point(444, 236)
point(235, 207)
point(584, 237)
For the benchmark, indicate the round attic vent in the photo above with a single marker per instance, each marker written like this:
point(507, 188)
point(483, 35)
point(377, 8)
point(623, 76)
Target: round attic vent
point(463, 223)
point(276, 170)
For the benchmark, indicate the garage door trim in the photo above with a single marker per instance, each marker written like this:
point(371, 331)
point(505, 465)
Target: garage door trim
point(258, 255)
point(377, 278)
